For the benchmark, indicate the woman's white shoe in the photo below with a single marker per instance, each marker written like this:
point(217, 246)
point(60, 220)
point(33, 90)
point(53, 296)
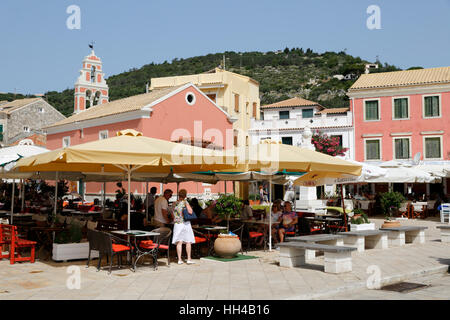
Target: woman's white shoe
point(190, 262)
point(180, 261)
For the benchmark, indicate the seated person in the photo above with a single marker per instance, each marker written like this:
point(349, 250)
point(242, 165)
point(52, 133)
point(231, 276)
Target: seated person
point(196, 207)
point(246, 211)
point(276, 219)
point(288, 221)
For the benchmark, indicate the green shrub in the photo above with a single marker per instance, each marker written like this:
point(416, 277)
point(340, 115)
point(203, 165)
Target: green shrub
point(390, 202)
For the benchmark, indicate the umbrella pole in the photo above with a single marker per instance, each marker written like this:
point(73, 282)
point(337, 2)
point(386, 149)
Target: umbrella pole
point(225, 184)
point(12, 199)
point(343, 207)
point(270, 214)
point(103, 199)
point(178, 186)
point(146, 200)
point(56, 196)
point(22, 191)
point(129, 197)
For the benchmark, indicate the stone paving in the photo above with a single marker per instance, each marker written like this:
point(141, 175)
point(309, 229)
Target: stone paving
point(261, 279)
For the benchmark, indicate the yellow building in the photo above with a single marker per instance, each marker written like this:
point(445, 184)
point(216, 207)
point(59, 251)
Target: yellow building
point(236, 94)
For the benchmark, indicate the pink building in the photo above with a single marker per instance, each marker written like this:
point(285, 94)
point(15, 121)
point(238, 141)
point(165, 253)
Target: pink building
point(170, 114)
point(398, 115)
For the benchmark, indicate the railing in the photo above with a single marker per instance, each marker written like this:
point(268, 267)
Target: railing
point(320, 121)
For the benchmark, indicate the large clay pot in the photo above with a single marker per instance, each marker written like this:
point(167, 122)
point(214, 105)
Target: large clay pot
point(390, 224)
point(227, 247)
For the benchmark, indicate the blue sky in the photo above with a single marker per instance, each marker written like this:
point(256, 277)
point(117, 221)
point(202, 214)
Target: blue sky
point(39, 53)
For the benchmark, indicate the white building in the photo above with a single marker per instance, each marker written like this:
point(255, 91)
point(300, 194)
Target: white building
point(286, 121)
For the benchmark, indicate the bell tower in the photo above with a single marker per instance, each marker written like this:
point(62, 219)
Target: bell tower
point(91, 88)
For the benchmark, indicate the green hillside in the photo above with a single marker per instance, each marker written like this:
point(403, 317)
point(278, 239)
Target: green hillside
point(282, 74)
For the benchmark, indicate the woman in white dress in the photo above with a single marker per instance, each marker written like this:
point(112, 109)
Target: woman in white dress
point(182, 230)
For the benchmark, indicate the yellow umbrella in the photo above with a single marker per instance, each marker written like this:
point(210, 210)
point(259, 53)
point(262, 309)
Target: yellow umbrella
point(274, 156)
point(128, 152)
point(270, 157)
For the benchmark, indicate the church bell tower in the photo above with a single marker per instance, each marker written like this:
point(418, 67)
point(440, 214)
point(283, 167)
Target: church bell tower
point(91, 88)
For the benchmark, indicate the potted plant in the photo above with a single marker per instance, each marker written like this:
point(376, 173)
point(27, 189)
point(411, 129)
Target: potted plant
point(226, 245)
point(68, 245)
point(359, 221)
point(253, 199)
point(390, 203)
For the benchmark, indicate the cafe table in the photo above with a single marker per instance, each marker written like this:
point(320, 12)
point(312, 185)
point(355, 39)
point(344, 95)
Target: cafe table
point(210, 229)
point(139, 252)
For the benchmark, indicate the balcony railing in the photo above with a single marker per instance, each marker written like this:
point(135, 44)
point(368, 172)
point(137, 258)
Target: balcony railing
point(315, 122)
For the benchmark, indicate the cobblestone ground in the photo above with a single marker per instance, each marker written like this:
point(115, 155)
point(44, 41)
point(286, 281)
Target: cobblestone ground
point(438, 288)
point(260, 279)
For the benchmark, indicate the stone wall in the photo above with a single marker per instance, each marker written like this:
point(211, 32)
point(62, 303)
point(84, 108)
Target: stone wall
point(32, 117)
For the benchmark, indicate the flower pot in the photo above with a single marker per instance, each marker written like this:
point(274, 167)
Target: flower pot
point(72, 251)
point(227, 247)
point(363, 226)
point(390, 224)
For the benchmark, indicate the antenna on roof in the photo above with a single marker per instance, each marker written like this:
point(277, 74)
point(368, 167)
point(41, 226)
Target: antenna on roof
point(416, 159)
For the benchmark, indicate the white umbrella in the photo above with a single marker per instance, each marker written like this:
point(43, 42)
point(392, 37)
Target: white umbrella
point(368, 172)
point(8, 158)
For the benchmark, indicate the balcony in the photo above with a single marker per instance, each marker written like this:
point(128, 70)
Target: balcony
point(317, 122)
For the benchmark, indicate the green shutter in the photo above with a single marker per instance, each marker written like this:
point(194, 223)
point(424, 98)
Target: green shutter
point(433, 148)
point(373, 150)
point(402, 148)
point(307, 113)
point(372, 110)
point(401, 108)
point(432, 106)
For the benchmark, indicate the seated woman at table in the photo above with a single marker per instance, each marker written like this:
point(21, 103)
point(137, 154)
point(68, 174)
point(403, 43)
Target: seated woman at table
point(288, 220)
point(182, 230)
point(276, 220)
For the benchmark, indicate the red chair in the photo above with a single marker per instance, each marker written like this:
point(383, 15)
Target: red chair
point(164, 242)
point(9, 236)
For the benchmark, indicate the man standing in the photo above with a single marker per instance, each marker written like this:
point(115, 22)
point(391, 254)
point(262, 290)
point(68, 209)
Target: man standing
point(150, 202)
point(162, 209)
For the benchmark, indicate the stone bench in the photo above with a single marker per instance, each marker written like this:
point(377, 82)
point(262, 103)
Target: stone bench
point(445, 233)
point(337, 259)
point(366, 239)
point(409, 234)
point(330, 239)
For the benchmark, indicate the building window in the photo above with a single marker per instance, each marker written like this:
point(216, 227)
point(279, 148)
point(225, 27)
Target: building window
point(307, 113)
point(212, 96)
point(66, 142)
point(373, 149)
point(371, 110)
point(254, 109)
point(401, 109)
point(261, 115)
point(103, 135)
point(190, 98)
point(284, 115)
point(339, 138)
point(236, 102)
point(1, 132)
point(26, 129)
point(432, 107)
point(41, 110)
point(401, 148)
point(433, 148)
point(286, 140)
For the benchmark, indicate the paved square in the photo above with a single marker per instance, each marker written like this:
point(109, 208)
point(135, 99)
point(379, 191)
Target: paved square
point(261, 278)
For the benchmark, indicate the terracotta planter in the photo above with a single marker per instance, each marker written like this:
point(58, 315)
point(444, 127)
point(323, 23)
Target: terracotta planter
point(227, 247)
point(390, 224)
